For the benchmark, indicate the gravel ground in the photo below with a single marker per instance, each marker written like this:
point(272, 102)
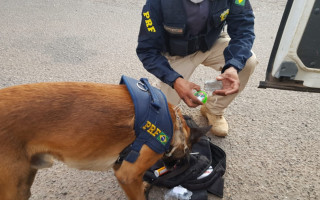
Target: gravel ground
point(273, 147)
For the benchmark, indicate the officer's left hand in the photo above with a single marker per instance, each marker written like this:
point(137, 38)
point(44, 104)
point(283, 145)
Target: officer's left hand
point(230, 82)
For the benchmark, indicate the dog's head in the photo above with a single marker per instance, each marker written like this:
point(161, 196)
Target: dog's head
point(184, 136)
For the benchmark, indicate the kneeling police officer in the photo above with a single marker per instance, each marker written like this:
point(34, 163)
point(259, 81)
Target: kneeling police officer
point(176, 36)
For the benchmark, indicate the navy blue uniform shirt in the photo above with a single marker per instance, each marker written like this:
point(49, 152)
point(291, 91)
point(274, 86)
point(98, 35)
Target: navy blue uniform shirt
point(164, 29)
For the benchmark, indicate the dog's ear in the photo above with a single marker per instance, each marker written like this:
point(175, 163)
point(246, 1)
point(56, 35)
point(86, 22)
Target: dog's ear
point(197, 132)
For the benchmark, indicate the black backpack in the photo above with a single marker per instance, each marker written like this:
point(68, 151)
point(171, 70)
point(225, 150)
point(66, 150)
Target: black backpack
point(204, 155)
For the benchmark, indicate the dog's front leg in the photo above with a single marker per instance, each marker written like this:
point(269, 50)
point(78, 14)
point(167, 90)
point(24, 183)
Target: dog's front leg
point(130, 175)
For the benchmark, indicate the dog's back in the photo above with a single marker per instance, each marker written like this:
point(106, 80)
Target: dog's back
point(86, 125)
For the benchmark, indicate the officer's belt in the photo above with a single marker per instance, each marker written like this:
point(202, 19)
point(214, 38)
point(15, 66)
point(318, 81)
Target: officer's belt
point(197, 43)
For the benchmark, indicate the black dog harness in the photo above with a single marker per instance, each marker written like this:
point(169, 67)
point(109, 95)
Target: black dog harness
point(153, 124)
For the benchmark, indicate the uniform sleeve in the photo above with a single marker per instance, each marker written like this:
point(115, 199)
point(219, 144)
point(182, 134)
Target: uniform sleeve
point(151, 44)
point(240, 28)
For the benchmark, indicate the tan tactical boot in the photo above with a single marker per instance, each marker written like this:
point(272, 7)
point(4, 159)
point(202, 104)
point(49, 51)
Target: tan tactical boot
point(219, 124)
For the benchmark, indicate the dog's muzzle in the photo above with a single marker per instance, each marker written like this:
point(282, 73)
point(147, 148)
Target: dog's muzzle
point(170, 162)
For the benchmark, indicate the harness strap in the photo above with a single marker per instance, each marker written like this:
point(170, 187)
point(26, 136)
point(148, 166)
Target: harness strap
point(153, 125)
point(123, 154)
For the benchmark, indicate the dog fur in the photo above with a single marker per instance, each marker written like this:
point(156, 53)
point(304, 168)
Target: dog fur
point(84, 125)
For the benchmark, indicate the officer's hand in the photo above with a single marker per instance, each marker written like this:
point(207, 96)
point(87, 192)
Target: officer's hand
point(230, 82)
point(185, 89)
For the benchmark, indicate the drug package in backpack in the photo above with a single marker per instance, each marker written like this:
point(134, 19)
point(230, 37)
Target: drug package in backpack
point(201, 173)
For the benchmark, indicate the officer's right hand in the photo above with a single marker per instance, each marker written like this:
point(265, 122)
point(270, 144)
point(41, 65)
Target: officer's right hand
point(185, 89)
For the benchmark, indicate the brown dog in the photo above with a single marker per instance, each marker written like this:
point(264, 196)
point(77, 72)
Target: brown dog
point(85, 125)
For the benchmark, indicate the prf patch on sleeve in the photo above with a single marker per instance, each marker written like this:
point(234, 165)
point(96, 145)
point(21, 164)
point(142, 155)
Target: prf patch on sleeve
point(224, 15)
point(148, 22)
point(240, 2)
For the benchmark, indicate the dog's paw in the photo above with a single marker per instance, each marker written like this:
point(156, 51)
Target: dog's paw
point(146, 186)
point(146, 189)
